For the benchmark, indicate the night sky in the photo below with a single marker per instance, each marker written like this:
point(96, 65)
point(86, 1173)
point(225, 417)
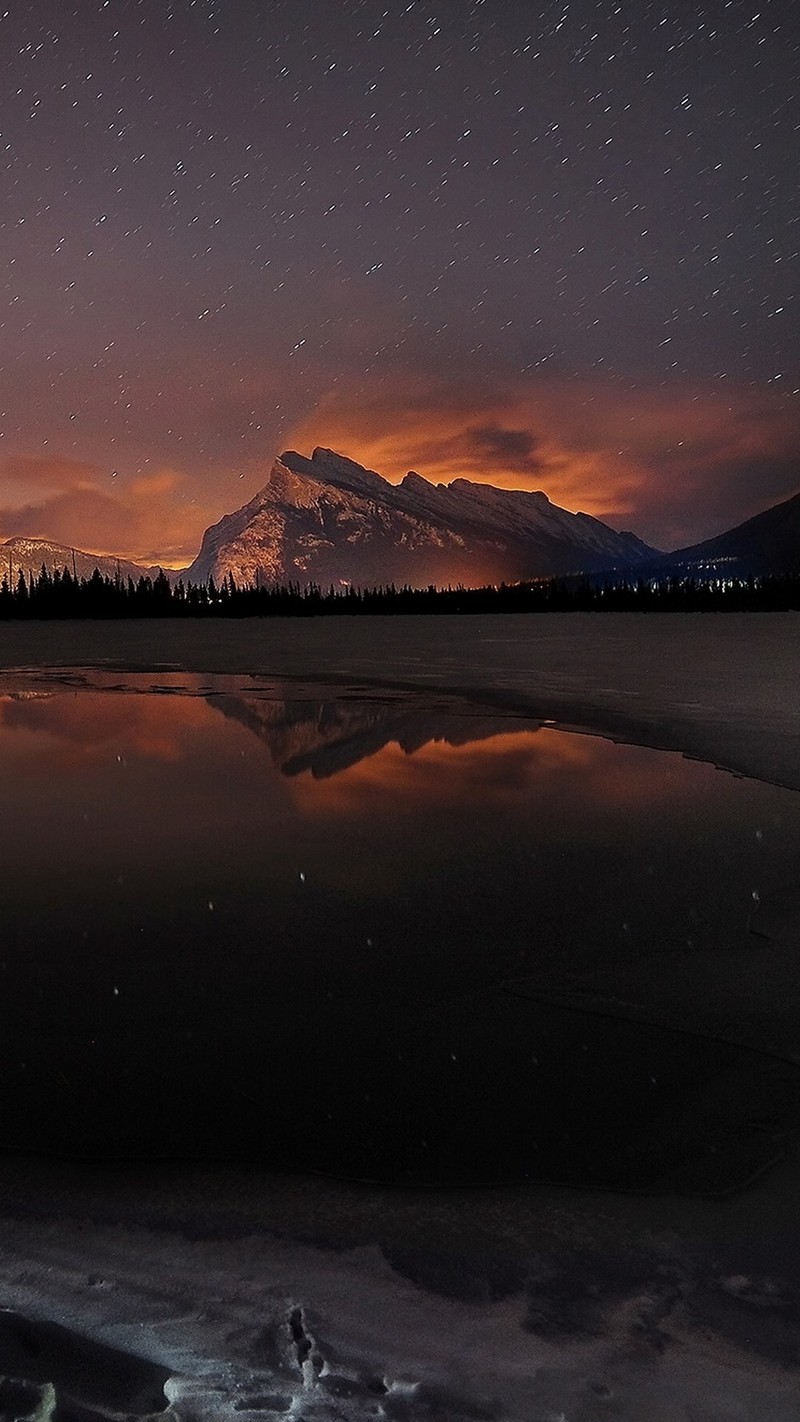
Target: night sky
point(548, 245)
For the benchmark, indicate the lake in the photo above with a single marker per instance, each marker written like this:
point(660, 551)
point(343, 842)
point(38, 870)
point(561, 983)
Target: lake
point(388, 936)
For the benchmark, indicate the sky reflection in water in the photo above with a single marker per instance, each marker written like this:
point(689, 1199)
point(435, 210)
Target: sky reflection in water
point(388, 938)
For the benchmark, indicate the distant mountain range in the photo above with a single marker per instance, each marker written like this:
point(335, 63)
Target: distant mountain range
point(328, 520)
point(29, 555)
point(767, 543)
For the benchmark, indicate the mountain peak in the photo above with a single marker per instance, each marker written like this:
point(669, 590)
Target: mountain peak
point(330, 520)
point(337, 469)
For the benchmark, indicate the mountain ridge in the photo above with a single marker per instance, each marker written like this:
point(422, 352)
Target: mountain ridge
point(29, 555)
point(768, 542)
point(328, 520)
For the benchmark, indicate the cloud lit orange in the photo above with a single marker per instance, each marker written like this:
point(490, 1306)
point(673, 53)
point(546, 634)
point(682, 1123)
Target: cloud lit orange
point(500, 769)
point(149, 518)
point(67, 730)
point(672, 464)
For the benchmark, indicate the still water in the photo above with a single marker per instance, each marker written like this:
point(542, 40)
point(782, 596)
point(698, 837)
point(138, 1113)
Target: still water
point(389, 938)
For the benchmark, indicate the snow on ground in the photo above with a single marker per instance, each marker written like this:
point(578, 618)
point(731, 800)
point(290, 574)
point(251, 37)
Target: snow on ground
point(264, 1296)
point(267, 1297)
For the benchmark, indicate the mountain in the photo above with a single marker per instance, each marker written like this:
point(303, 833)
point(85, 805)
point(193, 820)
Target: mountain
point(329, 520)
point(326, 737)
point(28, 554)
point(767, 543)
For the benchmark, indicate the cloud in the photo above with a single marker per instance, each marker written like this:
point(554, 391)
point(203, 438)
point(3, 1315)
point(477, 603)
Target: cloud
point(514, 439)
point(514, 449)
point(149, 518)
point(47, 471)
point(675, 464)
point(64, 517)
point(162, 481)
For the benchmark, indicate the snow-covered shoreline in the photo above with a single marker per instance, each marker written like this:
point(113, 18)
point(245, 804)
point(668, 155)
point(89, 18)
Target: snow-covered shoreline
point(268, 1296)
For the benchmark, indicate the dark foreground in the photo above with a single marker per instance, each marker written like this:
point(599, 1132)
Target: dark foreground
point(259, 1294)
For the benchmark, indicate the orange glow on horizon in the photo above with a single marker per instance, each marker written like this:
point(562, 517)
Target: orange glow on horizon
point(148, 518)
point(624, 456)
point(674, 464)
point(495, 770)
point(70, 730)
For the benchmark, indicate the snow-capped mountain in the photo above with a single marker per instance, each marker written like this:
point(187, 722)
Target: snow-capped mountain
point(328, 520)
point(28, 555)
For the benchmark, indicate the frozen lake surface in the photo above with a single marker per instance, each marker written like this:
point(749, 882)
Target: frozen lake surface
point(458, 1050)
point(395, 938)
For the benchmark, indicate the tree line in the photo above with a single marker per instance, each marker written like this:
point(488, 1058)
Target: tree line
point(61, 594)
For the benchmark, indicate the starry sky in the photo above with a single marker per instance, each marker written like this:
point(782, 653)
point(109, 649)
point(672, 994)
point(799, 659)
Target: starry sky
point(548, 245)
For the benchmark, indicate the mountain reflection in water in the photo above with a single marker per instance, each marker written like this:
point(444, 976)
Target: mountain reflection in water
point(391, 938)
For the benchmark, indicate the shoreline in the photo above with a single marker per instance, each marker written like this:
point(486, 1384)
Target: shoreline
point(501, 1304)
point(720, 687)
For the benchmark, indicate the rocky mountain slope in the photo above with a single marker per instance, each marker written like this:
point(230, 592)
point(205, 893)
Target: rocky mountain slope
point(328, 520)
point(28, 555)
point(767, 543)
